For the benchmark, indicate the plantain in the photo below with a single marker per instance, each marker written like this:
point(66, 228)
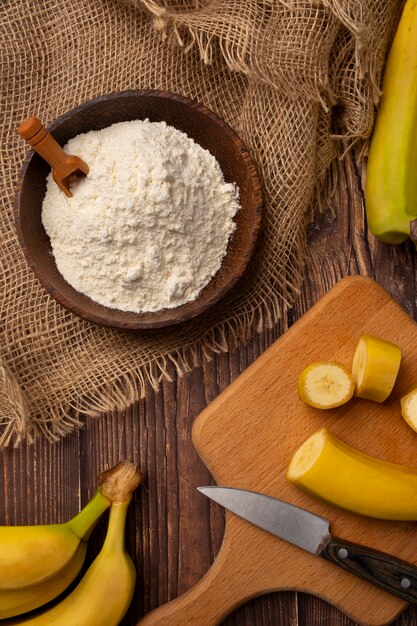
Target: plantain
point(391, 185)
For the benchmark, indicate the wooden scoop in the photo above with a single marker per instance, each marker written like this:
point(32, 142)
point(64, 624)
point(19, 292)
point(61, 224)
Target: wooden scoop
point(63, 165)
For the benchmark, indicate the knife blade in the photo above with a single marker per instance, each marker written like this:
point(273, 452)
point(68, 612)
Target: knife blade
point(312, 533)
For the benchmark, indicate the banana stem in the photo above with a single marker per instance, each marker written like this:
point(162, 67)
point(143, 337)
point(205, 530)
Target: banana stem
point(116, 486)
point(83, 523)
point(118, 483)
point(115, 537)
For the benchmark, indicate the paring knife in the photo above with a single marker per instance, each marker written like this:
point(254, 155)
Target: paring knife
point(312, 533)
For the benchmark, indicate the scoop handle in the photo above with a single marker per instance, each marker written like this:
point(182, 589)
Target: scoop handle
point(36, 135)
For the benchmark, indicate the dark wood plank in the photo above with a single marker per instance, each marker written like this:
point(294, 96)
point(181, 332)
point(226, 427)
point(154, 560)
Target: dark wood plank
point(40, 484)
point(173, 533)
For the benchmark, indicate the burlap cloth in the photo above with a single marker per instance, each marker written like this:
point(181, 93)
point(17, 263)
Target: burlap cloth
point(291, 77)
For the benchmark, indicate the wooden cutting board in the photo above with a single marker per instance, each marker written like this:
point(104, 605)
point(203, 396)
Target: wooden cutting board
point(248, 434)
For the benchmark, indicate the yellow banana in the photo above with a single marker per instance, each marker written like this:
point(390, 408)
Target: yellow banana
point(391, 184)
point(105, 592)
point(29, 555)
point(325, 385)
point(17, 601)
point(375, 367)
point(329, 469)
point(409, 409)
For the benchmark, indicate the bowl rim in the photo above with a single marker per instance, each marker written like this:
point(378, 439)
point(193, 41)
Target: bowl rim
point(177, 317)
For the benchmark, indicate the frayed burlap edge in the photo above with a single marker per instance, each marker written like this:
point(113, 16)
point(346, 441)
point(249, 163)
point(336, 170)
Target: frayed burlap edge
point(171, 25)
point(14, 411)
point(62, 418)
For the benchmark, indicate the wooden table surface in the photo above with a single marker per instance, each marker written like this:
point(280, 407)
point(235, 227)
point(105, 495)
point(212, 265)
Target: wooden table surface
point(173, 532)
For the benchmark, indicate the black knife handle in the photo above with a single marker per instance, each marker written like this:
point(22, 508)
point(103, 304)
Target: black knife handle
point(394, 575)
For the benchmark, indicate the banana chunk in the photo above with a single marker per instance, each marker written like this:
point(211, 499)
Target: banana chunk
point(325, 385)
point(55, 545)
point(409, 409)
point(327, 468)
point(17, 601)
point(375, 368)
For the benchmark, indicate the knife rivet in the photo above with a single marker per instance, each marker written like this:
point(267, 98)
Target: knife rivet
point(405, 583)
point(343, 553)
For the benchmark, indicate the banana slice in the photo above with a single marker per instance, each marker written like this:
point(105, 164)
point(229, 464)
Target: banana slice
point(409, 409)
point(375, 367)
point(325, 385)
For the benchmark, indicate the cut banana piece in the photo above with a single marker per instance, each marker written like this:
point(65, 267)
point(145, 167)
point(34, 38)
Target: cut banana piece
point(325, 385)
point(409, 409)
point(329, 469)
point(375, 367)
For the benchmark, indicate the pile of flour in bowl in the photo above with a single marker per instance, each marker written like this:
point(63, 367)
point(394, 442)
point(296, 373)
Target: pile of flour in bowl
point(149, 227)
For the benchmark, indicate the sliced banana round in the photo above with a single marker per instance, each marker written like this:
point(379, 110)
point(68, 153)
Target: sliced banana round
point(409, 409)
point(325, 385)
point(375, 367)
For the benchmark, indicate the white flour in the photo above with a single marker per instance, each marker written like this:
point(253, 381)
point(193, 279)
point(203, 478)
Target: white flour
point(149, 226)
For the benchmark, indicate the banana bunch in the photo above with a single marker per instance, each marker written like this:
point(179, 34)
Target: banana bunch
point(37, 563)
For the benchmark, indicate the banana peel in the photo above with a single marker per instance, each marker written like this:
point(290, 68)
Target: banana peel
point(391, 185)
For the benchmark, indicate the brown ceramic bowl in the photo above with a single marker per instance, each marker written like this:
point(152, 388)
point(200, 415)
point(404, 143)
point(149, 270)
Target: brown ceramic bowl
point(199, 123)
